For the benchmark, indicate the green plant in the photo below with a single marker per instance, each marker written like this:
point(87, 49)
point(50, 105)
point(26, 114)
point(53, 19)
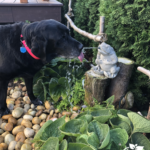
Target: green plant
point(95, 128)
point(60, 80)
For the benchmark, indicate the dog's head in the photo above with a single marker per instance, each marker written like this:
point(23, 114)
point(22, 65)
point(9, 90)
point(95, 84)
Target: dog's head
point(48, 39)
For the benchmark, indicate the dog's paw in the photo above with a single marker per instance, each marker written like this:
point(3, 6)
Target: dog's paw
point(37, 102)
point(4, 112)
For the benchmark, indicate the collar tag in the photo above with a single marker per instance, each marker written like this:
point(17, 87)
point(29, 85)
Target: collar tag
point(22, 50)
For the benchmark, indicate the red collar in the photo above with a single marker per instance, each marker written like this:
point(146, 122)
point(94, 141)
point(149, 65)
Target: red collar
point(28, 49)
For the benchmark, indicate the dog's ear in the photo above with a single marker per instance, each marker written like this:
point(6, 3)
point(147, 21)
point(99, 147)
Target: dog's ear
point(38, 47)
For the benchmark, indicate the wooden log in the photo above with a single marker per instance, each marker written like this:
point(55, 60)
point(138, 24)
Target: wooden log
point(95, 86)
point(119, 85)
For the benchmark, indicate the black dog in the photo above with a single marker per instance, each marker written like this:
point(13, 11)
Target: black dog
point(47, 39)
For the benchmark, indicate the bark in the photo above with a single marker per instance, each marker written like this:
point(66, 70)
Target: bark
point(95, 86)
point(118, 86)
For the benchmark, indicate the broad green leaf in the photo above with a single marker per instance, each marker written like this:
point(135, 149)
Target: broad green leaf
point(119, 136)
point(39, 90)
point(88, 118)
point(118, 122)
point(82, 139)
point(63, 145)
point(78, 146)
point(101, 116)
point(53, 130)
point(51, 73)
point(140, 123)
point(123, 112)
point(38, 135)
point(37, 75)
point(141, 141)
point(102, 131)
point(58, 88)
point(110, 100)
point(93, 140)
point(51, 144)
point(75, 127)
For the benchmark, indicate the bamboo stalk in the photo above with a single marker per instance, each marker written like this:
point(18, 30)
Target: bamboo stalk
point(102, 21)
point(96, 38)
point(143, 70)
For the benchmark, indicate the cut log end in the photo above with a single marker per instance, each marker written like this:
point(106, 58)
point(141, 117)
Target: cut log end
point(125, 61)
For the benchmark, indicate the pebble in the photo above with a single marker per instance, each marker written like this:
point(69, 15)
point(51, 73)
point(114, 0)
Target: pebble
point(32, 106)
point(18, 145)
point(67, 113)
point(28, 117)
point(3, 125)
point(29, 132)
point(53, 119)
point(39, 113)
point(32, 113)
point(12, 145)
point(43, 116)
point(4, 146)
point(16, 94)
point(26, 123)
point(10, 106)
point(5, 117)
point(1, 131)
point(9, 138)
point(47, 105)
point(51, 112)
point(27, 106)
point(36, 127)
point(20, 137)
point(28, 141)
point(74, 115)
point(1, 139)
point(26, 147)
point(57, 111)
point(76, 108)
point(8, 127)
point(19, 121)
point(17, 112)
point(18, 129)
point(24, 89)
point(67, 119)
point(12, 120)
point(40, 107)
point(36, 120)
point(5, 133)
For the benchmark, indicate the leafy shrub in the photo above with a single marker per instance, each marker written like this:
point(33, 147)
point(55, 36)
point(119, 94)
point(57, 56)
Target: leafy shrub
point(96, 128)
point(60, 79)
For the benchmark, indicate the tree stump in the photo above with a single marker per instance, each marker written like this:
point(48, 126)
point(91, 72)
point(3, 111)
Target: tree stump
point(95, 86)
point(118, 86)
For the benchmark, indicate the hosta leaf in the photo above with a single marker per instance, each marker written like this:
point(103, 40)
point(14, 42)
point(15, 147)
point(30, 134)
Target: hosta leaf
point(93, 140)
point(141, 141)
point(118, 122)
point(38, 135)
point(102, 131)
point(101, 116)
point(140, 123)
point(82, 139)
point(63, 145)
point(75, 127)
point(53, 130)
point(119, 136)
point(37, 75)
point(87, 118)
point(51, 73)
point(123, 112)
point(51, 144)
point(58, 88)
point(79, 146)
point(110, 100)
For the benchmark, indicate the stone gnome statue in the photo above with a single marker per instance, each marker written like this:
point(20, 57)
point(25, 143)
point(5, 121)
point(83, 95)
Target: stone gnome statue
point(106, 61)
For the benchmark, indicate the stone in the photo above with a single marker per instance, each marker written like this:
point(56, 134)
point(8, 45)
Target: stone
point(74, 115)
point(43, 116)
point(40, 107)
point(24, 89)
point(28, 117)
point(48, 117)
point(25, 98)
point(29, 132)
point(39, 113)
point(36, 127)
point(10, 106)
point(9, 138)
point(8, 127)
point(20, 137)
point(55, 115)
point(47, 105)
point(12, 145)
point(67, 113)
point(26, 123)
point(18, 145)
point(53, 119)
point(76, 108)
point(3, 125)
point(1, 131)
point(19, 121)
point(18, 129)
point(16, 89)
point(51, 112)
point(32, 106)
point(32, 113)
point(26, 147)
point(17, 112)
point(36, 120)
point(46, 111)
point(67, 119)
point(27, 106)
point(1, 139)
point(5, 117)
point(11, 91)
point(42, 123)
point(5, 133)
point(12, 120)
point(28, 141)
point(16, 94)
point(17, 102)
point(57, 111)
point(4, 146)
point(10, 101)
point(59, 115)
point(8, 92)
point(20, 87)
